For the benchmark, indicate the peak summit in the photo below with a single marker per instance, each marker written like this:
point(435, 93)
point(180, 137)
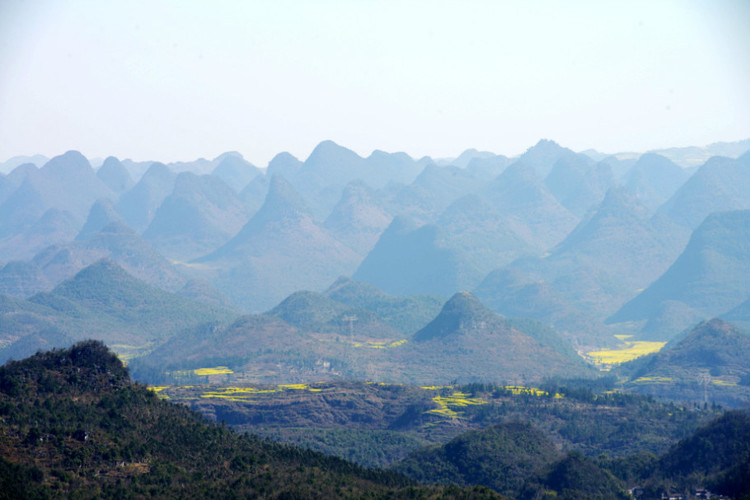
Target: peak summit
point(462, 313)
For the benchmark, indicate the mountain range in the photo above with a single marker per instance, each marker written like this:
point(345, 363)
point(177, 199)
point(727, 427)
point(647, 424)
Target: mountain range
point(589, 244)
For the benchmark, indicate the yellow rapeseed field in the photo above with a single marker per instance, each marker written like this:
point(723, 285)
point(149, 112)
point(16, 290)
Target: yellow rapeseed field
point(216, 370)
point(457, 399)
point(718, 381)
point(630, 350)
point(653, 380)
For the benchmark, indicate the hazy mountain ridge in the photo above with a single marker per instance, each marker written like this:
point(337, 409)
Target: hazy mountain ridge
point(200, 214)
point(104, 302)
point(583, 246)
point(279, 250)
point(707, 279)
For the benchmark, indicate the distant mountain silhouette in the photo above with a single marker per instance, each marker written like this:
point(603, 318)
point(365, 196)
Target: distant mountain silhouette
point(654, 179)
point(708, 278)
point(520, 196)
point(432, 192)
point(482, 235)
point(358, 219)
point(138, 205)
point(201, 214)
point(66, 183)
point(721, 184)
point(487, 167)
point(578, 183)
point(22, 279)
point(600, 263)
point(515, 294)
point(114, 174)
point(280, 250)
point(284, 164)
point(409, 260)
point(470, 154)
point(236, 172)
point(9, 183)
point(16, 161)
point(54, 227)
point(323, 175)
point(739, 315)
point(330, 167)
point(382, 168)
point(254, 193)
point(116, 241)
point(543, 156)
point(102, 214)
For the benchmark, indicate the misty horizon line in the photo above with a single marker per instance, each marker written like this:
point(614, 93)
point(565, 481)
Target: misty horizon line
point(97, 160)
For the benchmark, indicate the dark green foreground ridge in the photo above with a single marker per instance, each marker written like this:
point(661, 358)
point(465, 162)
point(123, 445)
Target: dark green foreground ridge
point(74, 425)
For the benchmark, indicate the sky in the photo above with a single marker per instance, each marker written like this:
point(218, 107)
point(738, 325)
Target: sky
point(178, 80)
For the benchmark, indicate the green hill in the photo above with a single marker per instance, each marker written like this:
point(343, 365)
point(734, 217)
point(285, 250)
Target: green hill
point(315, 312)
point(461, 313)
point(103, 302)
point(405, 314)
point(711, 363)
point(500, 457)
point(105, 288)
point(575, 477)
point(468, 342)
point(717, 456)
point(254, 347)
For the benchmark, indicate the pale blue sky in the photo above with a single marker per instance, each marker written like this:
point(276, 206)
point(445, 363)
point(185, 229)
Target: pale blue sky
point(177, 80)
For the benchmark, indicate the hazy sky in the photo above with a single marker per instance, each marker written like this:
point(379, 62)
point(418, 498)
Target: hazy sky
point(177, 80)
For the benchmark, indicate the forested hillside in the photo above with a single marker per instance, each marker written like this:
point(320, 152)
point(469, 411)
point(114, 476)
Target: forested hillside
point(74, 424)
